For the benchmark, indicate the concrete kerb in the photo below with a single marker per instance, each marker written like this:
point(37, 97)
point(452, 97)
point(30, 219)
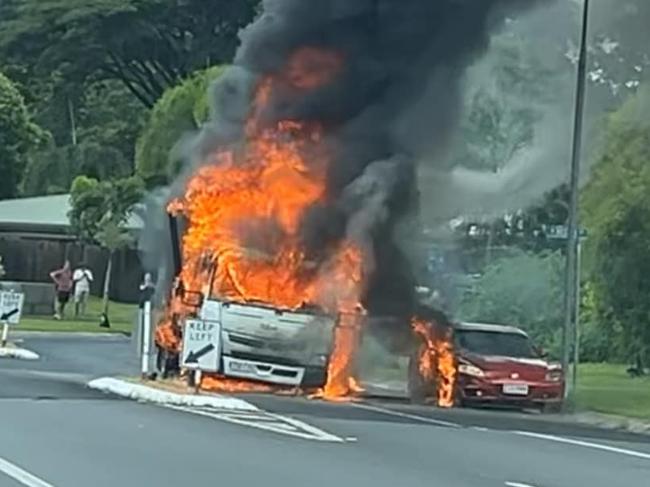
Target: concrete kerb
point(612, 422)
point(145, 393)
point(18, 353)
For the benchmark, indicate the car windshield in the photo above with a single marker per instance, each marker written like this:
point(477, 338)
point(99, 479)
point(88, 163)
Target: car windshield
point(496, 343)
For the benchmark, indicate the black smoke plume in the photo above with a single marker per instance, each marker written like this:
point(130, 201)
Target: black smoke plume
point(394, 101)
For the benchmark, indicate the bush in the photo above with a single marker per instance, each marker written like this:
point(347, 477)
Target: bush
point(524, 290)
point(181, 110)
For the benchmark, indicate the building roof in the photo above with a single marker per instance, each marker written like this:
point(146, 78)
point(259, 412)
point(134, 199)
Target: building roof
point(43, 214)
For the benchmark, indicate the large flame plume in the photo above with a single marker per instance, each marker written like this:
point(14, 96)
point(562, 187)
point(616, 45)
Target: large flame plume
point(244, 210)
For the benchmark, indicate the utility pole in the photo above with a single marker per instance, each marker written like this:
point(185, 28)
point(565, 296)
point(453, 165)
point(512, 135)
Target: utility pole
point(73, 123)
point(572, 282)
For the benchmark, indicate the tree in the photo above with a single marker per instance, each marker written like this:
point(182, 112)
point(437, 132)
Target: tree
point(18, 135)
point(113, 237)
point(507, 95)
point(100, 211)
point(522, 290)
point(616, 206)
point(50, 170)
point(181, 110)
point(104, 127)
point(148, 45)
point(109, 117)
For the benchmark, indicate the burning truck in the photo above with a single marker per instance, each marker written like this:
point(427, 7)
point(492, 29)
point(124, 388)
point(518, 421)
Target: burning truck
point(297, 191)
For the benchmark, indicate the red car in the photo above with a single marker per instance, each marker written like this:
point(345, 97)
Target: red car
point(500, 365)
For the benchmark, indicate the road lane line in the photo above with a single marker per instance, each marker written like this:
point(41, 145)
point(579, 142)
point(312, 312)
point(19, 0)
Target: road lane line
point(20, 475)
point(271, 422)
point(518, 484)
point(586, 444)
point(400, 414)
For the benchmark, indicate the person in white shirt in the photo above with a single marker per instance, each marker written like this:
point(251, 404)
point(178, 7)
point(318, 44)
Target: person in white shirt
point(82, 278)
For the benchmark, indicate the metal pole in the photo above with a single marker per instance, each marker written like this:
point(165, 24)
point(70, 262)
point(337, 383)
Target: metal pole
point(576, 328)
point(5, 334)
point(146, 338)
point(571, 272)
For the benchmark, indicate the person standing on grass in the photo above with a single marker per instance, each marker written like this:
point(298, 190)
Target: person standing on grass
point(63, 286)
point(82, 278)
point(147, 289)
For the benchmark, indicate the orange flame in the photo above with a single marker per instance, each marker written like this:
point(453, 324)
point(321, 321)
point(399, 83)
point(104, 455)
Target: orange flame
point(223, 384)
point(341, 365)
point(244, 209)
point(436, 361)
point(166, 335)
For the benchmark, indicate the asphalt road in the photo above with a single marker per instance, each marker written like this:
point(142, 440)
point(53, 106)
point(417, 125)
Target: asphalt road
point(55, 432)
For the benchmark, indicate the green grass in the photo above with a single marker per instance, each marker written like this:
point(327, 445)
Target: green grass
point(606, 388)
point(122, 318)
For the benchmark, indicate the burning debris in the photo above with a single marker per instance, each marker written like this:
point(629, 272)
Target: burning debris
point(434, 362)
point(296, 185)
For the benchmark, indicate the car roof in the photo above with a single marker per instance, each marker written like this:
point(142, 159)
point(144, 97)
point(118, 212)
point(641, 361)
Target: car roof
point(488, 327)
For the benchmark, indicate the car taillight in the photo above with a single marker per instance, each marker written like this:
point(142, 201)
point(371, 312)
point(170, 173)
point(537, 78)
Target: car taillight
point(472, 370)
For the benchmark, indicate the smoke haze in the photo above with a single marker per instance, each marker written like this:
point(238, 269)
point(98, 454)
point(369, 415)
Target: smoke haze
point(385, 80)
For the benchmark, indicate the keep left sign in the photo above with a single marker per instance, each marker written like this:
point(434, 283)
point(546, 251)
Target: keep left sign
point(11, 307)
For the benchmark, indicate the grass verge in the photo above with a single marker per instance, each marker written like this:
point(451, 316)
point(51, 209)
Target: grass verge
point(122, 317)
point(607, 388)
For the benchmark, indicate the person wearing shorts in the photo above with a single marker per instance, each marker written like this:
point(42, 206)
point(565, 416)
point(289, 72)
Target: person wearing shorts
point(82, 278)
point(63, 287)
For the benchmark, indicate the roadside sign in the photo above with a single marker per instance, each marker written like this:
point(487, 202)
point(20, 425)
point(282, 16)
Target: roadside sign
point(201, 345)
point(11, 307)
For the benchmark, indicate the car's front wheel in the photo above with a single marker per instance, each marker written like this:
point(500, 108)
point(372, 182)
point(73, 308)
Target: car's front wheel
point(419, 389)
point(551, 408)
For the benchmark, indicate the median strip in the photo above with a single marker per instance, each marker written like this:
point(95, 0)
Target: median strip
point(18, 353)
point(146, 393)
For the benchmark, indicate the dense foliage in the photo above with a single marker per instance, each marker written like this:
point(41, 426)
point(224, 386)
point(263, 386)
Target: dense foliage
point(180, 111)
point(89, 72)
point(18, 135)
point(148, 45)
point(616, 207)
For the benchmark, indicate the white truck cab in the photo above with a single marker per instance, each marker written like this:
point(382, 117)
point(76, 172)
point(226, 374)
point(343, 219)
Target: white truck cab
point(266, 344)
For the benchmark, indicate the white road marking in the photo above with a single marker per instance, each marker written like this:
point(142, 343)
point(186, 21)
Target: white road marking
point(518, 484)
point(20, 475)
point(586, 444)
point(400, 414)
point(267, 422)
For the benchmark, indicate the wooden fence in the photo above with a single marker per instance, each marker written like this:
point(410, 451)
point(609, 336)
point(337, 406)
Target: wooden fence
point(31, 259)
